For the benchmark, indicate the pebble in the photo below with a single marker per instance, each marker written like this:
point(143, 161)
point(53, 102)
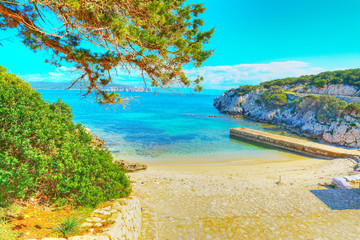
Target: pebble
point(93, 219)
point(86, 224)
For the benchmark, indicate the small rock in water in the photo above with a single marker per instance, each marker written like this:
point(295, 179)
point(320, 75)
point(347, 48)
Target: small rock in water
point(132, 166)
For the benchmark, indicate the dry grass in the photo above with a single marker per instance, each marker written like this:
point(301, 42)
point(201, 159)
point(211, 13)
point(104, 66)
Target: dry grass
point(6, 233)
point(30, 220)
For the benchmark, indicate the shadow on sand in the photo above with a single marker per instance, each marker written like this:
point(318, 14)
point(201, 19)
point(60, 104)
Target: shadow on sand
point(339, 199)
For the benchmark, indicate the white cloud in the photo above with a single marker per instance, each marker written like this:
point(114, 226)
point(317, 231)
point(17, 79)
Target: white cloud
point(225, 77)
point(62, 74)
point(56, 74)
point(31, 77)
point(215, 77)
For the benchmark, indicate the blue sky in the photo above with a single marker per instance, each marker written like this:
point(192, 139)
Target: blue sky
point(255, 40)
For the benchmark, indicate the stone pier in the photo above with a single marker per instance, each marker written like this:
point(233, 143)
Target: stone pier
point(293, 144)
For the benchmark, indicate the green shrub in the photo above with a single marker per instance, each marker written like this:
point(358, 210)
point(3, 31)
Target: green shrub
point(326, 107)
point(352, 109)
point(329, 108)
point(347, 77)
point(308, 103)
point(67, 226)
point(319, 83)
point(243, 90)
point(274, 97)
point(43, 152)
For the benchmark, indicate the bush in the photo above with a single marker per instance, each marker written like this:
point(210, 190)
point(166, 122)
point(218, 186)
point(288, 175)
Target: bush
point(44, 154)
point(243, 90)
point(352, 109)
point(330, 108)
point(347, 77)
point(308, 103)
point(67, 226)
point(326, 108)
point(275, 97)
point(320, 83)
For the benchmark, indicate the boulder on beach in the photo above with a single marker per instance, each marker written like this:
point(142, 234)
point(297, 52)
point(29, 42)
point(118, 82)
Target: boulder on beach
point(132, 166)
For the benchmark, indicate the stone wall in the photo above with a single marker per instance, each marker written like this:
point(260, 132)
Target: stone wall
point(293, 144)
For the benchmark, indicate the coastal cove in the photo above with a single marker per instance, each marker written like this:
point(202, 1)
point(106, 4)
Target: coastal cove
point(233, 190)
point(179, 120)
point(209, 186)
point(169, 128)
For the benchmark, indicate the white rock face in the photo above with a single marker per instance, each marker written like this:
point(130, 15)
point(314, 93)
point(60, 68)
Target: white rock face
point(338, 90)
point(229, 103)
point(344, 132)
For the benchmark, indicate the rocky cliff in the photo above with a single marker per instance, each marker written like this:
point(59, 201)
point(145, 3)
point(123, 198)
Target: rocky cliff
point(327, 118)
point(333, 89)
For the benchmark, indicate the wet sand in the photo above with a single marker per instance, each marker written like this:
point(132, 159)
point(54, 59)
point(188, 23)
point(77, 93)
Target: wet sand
point(247, 200)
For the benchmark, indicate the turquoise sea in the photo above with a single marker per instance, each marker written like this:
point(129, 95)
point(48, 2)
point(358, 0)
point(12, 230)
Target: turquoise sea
point(166, 127)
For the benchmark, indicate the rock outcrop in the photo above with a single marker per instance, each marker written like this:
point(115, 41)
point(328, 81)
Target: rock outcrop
point(342, 131)
point(132, 166)
point(95, 141)
point(334, 89)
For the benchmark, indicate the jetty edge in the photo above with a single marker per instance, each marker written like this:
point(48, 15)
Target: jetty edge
point(293, 144)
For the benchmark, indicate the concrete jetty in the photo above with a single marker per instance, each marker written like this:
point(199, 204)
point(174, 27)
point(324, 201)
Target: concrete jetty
point(293, 144)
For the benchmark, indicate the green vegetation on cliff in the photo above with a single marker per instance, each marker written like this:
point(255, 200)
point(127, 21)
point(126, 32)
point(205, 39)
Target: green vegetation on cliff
point(326, 108)
point(347, 77)
point(43, 154)
point(274, 97)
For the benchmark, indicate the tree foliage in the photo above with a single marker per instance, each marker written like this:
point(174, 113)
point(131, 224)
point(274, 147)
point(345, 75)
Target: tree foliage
point(157, 38)
point(44, 154)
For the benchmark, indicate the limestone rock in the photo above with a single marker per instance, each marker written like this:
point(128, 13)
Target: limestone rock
point(95, 141)
point(132, 166)
point(53, 239)
point(89, 237)
point(344, 132)
point(86, 224)
point(98, 224)
point(334, 89)
point(102, 211)
point(93, 219)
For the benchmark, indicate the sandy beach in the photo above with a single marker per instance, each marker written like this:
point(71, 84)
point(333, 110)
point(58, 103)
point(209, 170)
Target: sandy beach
point(248, 200)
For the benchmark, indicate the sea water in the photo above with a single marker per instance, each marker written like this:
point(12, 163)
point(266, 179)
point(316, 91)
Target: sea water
point(167, 127)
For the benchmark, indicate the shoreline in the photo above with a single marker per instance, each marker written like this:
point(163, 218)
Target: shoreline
point(267, 154)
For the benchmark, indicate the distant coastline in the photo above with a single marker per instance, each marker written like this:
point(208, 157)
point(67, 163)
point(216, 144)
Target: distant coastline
point(77, 87)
